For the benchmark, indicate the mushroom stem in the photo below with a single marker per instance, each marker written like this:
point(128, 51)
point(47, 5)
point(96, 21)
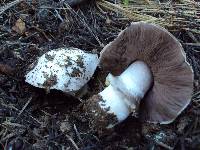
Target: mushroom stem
point(115, 101)
point(124, 93)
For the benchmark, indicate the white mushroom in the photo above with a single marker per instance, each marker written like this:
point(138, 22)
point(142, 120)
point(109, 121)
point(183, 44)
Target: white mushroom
point(149, 78)
point(65, 69)
point(124, 93)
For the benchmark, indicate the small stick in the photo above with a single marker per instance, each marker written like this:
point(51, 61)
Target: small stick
point(41, 31)
point(192, 44)
point(161, 144)
point(72, 141)
point(9, 5)
point(12, 124)
point(21, 111)
point(191, 35)
point(83, 22)
point(78, 134)
point(57, 13)
point(12, 107)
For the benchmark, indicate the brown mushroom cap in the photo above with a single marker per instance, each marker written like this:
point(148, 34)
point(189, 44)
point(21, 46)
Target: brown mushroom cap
point(161, 51)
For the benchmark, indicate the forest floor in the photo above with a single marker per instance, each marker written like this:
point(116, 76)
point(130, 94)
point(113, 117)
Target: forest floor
point(30, 118)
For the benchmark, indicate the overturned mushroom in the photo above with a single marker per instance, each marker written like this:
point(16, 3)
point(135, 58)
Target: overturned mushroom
point(65, 69)
point(149, 77)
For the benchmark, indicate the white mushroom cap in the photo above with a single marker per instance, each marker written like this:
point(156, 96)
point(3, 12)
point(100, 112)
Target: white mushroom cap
point(65, 69)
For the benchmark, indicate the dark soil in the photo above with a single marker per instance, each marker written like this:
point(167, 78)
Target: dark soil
point(30, 118)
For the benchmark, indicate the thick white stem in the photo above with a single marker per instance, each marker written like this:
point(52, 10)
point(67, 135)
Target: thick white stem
point(114, 99)
point(124, 93)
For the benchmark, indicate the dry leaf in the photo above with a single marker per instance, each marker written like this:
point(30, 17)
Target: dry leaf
point(6, 69)
point(19, 26)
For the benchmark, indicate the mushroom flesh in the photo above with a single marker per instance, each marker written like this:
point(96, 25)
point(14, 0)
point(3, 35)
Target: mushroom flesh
point(125, 91)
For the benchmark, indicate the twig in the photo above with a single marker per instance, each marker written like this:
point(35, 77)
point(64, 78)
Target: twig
point(192, 44)
point(130, 14)
point(159, 143)
point(72, 141)
point(46, 113)
point(57, 13)
point(190, 34)
point(163, 145)
point(83, 21)
point(12, 124)
point(9, 5)
point(78, 134)
point(12, 107)
point(24, 107)
point(192, 30)
point(41, 31)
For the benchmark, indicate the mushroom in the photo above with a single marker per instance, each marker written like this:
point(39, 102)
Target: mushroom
point(149, 77)
point(65, 69)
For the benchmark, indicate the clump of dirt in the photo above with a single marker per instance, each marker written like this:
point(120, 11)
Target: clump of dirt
point(99, 119)
point(30, 118)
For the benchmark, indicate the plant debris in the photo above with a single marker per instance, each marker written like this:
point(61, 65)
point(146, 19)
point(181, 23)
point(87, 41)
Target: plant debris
point(30, 118)
point(19, 26)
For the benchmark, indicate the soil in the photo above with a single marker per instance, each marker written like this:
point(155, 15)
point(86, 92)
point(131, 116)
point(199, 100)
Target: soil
point(99, 119)
point(31, 118)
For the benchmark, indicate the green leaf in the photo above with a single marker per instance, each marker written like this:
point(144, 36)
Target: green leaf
point(126, 2)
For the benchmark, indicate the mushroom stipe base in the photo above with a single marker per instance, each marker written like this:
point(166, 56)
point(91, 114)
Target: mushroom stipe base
point(99, 118)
